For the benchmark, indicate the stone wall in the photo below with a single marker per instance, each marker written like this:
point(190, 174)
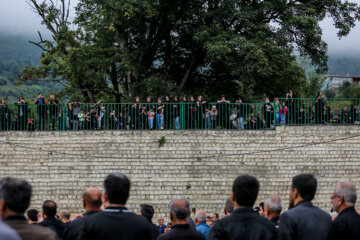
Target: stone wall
point(198, 165)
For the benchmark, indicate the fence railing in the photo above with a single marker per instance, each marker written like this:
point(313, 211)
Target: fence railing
point(145, 116)
point(308, 111)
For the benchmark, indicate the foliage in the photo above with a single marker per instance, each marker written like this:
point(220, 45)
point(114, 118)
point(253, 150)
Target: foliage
point(162, 141)
point(119, 49)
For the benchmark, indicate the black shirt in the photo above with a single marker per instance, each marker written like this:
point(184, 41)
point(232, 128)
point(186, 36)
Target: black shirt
point(243, 223)
point(182, 232)
point(346, 225)
point(115, 223)
point(74, 228)
point(54, 224)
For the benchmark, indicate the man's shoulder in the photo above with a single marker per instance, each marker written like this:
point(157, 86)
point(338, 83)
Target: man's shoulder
point(305, 211)
point(7, 232)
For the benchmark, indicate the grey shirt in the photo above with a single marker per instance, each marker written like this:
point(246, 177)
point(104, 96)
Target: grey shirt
point(8, 233)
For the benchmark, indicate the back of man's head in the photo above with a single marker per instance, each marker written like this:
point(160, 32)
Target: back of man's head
point(49, 208)
point(273, 203)
point(245, 189)
point(200, 216)
point(348, 191)
point(229, 206)
point(117, 188)
point(179, 208)
point(92, 199)
point(147, 211)
point(306, 185)
point(64, 215)
point(32, 214)
point(16, 194)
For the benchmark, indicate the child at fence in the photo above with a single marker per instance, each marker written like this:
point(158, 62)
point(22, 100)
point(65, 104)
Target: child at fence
point(277, 111)
point(283, 111)
point(151, 116)
point(81, 117)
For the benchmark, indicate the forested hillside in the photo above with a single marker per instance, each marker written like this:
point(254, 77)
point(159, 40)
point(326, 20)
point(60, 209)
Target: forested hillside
point(16, 53)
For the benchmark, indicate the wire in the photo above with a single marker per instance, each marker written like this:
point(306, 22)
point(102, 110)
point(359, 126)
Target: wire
point(178, 158)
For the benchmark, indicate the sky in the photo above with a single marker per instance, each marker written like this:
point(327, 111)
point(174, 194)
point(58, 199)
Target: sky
point(17, 17)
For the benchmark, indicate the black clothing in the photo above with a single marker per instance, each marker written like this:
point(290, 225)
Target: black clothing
point(304, 222)
point(167, 115)
point(22, 115)
point(4, 116)
point(154, 231)
point(243, 223)
point(135, 116)
point(276, 221)
point(115, 223)
point(182, 232)
point(55, 225)
point(346, 225)
point(73, 230)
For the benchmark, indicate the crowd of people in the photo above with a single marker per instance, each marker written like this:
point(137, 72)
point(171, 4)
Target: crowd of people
point(106, 216)
point(176, 113)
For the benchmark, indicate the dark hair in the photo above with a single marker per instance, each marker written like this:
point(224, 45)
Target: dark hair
point(245, 189)
point(49, 207)
point(16, 194)
point(32, 214)
point(216, 215)
point(147, 211)
point(306, 185)
point(229, 206)
point(261, 205)
point(117, 188)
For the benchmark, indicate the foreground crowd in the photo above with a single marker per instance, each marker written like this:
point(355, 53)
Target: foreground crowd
point(106, 217)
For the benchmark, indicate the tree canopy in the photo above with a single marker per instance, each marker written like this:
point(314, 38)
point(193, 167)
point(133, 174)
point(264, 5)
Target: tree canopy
point(116, 49)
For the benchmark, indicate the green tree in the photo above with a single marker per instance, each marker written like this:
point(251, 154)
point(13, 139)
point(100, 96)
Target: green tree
point(119, 49)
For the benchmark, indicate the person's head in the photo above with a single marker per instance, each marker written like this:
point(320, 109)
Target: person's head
point(229, 207)
point(176, 98)
point(148, 99)
point(200, 217)
point(159, 100)
point(167, 98)
point(222, 97)
point(160, 221)
point(49, 209)
point(137, 99)
point(193, 210)
point(92, 199)
point(185, 98)
point(272, 206)
point(3, 101)
point(179, 209)
point(52, 97)
point(39, 95)
point(345, 108)
point(277, 101)
point(82, 111)
point(208, 221)
point(244, 191)
point(283, 104)
point(32, 216)
point(15, 195)
point(117, 188)
point(147, 211)
point(213, 108)
point(199, 98)
point(261, 210)
point(344, 196)
point(64, 216)
point(214, 217)
point(267, 100)
point(21, 98)
point(192, 99)
point(239, 100)
point(303, 188)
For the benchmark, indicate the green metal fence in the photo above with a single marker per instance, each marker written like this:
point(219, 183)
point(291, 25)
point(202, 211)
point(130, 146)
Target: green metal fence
point(309, 111)
point(144, 116)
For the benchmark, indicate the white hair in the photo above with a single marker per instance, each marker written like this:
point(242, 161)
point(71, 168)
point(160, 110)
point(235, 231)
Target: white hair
point(274, 203)
point(200, 216)
point(348, 191)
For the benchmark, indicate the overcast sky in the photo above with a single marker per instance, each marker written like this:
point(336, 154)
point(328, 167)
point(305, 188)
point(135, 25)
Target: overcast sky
point(16, 17)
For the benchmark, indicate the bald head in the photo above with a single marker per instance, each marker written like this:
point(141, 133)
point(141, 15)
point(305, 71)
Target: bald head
point(200, 216)
point(272, 206)
point(92, 199)
point(180, 208)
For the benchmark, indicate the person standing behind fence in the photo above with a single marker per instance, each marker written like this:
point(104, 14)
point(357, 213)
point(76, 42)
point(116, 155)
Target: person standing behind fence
point(53, 105)
point(242, 113)
point(41, 111)
point(135, 114)
point(224, 112)
point(176, 112)
point(160, 114)
point(319, 108)
point(101, 115)
point(268, 112)
point(167, 113)
point(22, 112)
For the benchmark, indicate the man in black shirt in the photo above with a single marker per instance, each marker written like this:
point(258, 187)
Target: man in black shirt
point(49, 211)
point(116, 222)
point(179, 215)
point(147, 211)
point(167, 113)
point(347, 224)
point(244, 222)
point(135, 114)
point(53, 105)
point(41, 111)
point(92, 204)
